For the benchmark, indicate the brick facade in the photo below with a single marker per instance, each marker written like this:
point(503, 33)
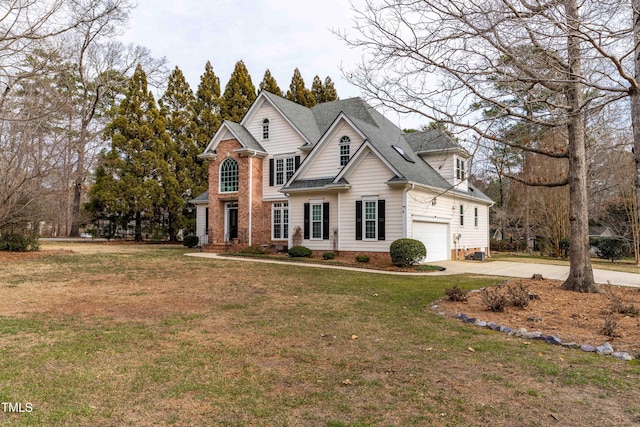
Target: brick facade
point(252, 211)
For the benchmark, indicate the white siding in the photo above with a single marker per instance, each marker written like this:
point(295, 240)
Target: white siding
point(443, 164)
point(296, 219)
point(201, 221)
point(327, 161)
point(369, 180)
point(283, 140)
point(447, 210)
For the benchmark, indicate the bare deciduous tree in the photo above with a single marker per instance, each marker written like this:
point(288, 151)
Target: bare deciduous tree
point(442, 59)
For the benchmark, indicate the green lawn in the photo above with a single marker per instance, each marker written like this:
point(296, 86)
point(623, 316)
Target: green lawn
point(148, 336)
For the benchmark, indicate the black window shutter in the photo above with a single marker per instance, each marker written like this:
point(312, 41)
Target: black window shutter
point(206, 221)
point(306, 220)
point(358, 219)
point(325, 221)
point(297, 162)
point(381, 233)
point(271, 170)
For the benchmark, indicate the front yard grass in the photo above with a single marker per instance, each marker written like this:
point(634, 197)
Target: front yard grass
point(151, 337)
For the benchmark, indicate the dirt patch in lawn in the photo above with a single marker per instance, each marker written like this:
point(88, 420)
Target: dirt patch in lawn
point(571, 316)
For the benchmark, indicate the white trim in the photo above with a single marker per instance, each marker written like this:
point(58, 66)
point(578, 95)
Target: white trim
point(359, 156)
point(260, 99)
point(325, 139)
point(250, 199)
point(365, 200)
point(312, 203)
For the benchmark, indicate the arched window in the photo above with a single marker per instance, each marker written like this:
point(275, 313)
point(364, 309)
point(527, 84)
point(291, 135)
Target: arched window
point(265, 129)
point(229, 175)
point(345, 150)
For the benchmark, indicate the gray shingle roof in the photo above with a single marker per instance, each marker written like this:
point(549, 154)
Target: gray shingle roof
point(245, 136)
point(204, 197)
point(301, 117)
point(431, 140)
point(380, 132)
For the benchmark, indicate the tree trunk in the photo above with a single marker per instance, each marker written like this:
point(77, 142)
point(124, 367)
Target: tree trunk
point(634, 95)
point(138, 227)
point(580, 272)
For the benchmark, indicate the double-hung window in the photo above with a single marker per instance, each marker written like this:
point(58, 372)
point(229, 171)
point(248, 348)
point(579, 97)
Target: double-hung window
point(475, 217)
point(460, 169)
point(461, 214)
point(280, 221)
point(370, 219)
point(282, 169)
point(265, 129)
point(316, 220)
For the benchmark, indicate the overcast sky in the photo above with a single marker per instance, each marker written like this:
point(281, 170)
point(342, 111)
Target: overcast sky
point(276, 34)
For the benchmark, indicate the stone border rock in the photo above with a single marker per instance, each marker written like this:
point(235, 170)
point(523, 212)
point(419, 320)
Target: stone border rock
point(604, 349)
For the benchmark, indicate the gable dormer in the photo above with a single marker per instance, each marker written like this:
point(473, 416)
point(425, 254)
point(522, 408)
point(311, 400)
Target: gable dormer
point(443, 154)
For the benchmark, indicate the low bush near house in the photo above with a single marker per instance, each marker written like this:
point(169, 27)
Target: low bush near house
point(190, 241)
point(328, 255)
point(407, 252)
point(363, 258)
point(457, 294)
point(494, 299)
point(299, 252)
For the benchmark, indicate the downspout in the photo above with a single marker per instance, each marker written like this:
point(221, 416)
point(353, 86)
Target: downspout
point(489, 231)
point(338, 246)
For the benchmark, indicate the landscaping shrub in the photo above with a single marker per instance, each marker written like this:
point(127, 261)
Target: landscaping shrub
point(363, 258)
point(611, 248)
point(610, 326)
point(519, 295)
point(328, 255)
point(407, 252)
point(618, 305)
point(495, 299)
point(299, 252)
point(19, 241)
point(457, 294)
point(190, 241)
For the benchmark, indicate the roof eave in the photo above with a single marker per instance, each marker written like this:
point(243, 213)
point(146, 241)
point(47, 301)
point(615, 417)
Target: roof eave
point(250, 152)
point(207, 155)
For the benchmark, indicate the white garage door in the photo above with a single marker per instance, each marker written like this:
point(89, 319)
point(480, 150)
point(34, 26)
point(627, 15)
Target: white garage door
point(435, 237)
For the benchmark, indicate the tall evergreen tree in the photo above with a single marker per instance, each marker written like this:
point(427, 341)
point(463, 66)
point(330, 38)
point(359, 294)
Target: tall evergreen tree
point(269, 84)
point(207, 107)
point(128, 185)
point(298, 93)
point(183, 171)
point(239, 94)
point(317, 90)
point(329, 90)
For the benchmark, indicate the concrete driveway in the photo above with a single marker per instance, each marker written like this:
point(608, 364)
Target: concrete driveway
point(521, 269)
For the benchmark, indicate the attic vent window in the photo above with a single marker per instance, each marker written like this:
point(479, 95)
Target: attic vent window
point(403, 154)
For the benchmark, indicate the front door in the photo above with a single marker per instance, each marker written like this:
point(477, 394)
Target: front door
point(231, 221)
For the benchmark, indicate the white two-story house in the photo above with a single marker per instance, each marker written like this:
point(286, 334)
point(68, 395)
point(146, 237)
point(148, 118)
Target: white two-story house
point(337, 177)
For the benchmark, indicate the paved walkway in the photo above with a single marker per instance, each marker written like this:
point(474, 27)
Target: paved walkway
point(490, 268)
